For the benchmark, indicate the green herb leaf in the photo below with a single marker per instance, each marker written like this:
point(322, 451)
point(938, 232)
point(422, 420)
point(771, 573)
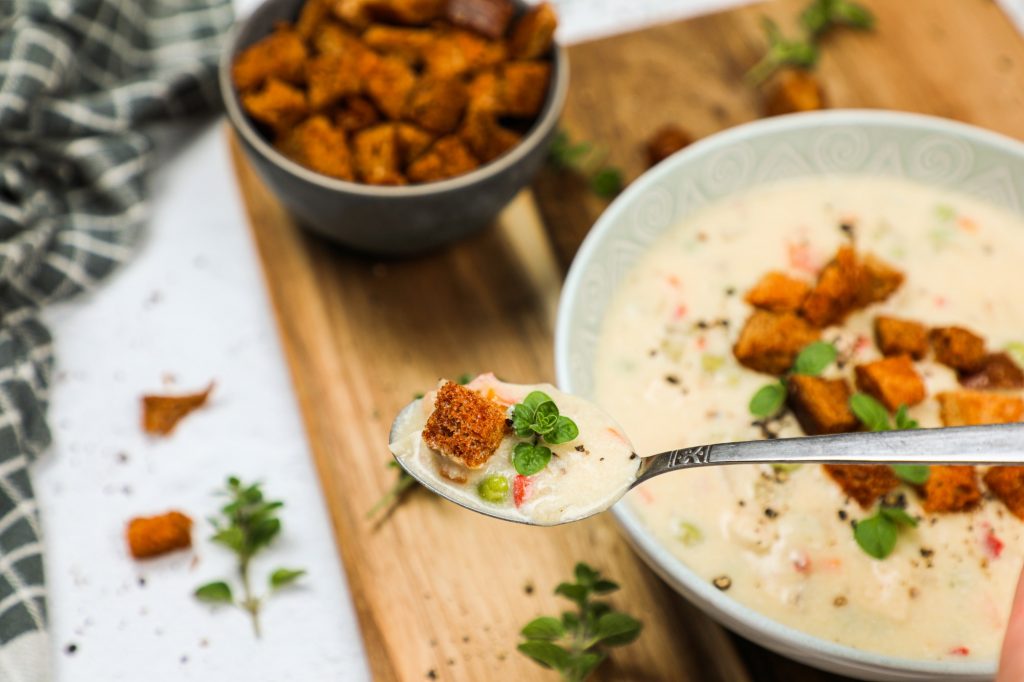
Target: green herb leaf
point(915, 474)
point(903, 420)
point(602, 586)
point(564, 154)
point(493, 489)
point(876, 535)
point(823, 15)
point(781, 52)
point(535, 399)
point(581, 665)
point(285, 576)
point(545, 627)
point(573, 592)
point(565, 430)
point(616, 629)
point(522, 420)
point(898, 516)
point(768, 400)
point(215, 593)
point(607, 182)
point(394, 496)
point(814, 358)
point(547, 654)
point(544, 418)
point(852, 14)
point(530, 459)
point(870, 412)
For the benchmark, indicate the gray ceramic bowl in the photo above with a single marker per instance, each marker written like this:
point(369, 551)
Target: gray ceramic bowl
point(388, 220)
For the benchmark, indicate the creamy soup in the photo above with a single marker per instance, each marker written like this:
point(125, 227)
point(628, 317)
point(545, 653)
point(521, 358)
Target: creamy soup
point(584, 475)
point(780, 541)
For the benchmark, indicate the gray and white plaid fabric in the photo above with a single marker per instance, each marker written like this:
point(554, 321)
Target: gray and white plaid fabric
point(78, 79)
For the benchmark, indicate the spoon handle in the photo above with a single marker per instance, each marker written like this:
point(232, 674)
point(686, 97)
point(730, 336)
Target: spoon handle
point(993, 444)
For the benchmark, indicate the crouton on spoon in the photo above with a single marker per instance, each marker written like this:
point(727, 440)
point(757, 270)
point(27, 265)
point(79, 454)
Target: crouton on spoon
point(536, 455)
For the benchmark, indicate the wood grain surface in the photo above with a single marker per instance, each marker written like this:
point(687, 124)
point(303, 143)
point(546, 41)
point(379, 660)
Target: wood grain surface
point(438, 589)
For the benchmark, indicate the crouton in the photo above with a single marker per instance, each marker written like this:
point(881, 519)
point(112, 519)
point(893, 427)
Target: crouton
point(161, 413)
point(1007, 483)
point(331, 77)
point(331, 38)
point(355, 13)
point(320, 146)
point(534, 33)
point(865, 483)
point(835, 292)
point(769, 342)
point(484, 136)
point(377, 159)
point(456, 53)
point(484, 91)
point(388, 83)
point(878, 282)
point(892, 381)
point(437, 104)
point(489, 18)
point(356, 113)
point(821, 405)
point(281, 55)
point(901, 337)
point(277, 104)
point(794, 90)
point(412, 142)
point(665, 142)
point(968, 408)
point(150, 536)
point(447, 158)
point(465, 426)
point(778, 293)
point(411, 12)
point(950, 489)
point(405, 43)
point(997, 370)
point(312, 15)
point(958, 348)
point(524, 88)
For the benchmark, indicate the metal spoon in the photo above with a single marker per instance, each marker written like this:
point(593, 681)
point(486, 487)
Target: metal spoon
point(999, 444)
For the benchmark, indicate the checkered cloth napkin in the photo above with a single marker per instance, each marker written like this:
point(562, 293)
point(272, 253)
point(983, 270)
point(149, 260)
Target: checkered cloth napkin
point(78, 80)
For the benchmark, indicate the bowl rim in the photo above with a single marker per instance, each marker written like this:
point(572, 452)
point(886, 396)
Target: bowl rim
point(710, 600)
point(548, 119)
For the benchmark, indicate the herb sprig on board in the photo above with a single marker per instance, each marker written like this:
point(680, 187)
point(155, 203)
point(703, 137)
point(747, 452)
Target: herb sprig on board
point(247, 525)
point(575, 644)
point(589, 162)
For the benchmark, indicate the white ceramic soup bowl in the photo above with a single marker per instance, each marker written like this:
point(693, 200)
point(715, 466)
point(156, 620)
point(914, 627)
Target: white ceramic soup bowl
point(927, 150)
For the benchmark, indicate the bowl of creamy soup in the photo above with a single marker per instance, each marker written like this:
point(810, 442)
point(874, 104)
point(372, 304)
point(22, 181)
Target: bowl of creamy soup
point(912, 580)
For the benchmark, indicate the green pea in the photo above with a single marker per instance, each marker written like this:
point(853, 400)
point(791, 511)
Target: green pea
point(493, 489)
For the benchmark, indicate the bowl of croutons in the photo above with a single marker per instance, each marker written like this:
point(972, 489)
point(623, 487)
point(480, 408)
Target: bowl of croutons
point(395, 126)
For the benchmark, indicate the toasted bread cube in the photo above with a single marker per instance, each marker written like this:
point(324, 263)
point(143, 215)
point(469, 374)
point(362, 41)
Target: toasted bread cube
point(356, 113)
point(320, 146)
point(405, 43)
point(456, 53)
point(448, 158)
point(901, 337)
point(951, 489)
point(489, 18)
point(332, 38)
point(484, 91)
point(331, 77)
point(312, 16)
point(150, 536)
point(410, 12)
point(821, 405)
point(1007, 483)
point(437, 104)
point(486, 138)
point(355, 13)
point(281, 55)
point(770, 342)
point(997, 370)
point(778, 292)
point(534, 33)
point(958, 348)
point(464, 426)
point(835, 292)
point(879, 280)
point(524, 88)
point(412, 142)
point(665, 142)
point(969, 408)
point(377, 157)
point(794, 90)
point(864, 483)
point(389, 82)
point(278, 104)
point(892, 381)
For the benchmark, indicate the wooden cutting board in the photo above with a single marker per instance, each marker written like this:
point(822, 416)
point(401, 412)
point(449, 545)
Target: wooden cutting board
point(441, 592)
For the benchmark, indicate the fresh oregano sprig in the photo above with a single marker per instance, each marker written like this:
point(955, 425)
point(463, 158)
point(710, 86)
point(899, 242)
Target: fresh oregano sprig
point(782, 51)
point(248, 524)
point(588, 161)
point(821, 16)
point(812, 360)
point(575, 644)
point(537, 418)
point(877, 534)
point(875, 417)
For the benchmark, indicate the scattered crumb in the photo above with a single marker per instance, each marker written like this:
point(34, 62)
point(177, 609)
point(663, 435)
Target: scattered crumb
point(70, 649)
point(161, 413)
point(155, 535)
